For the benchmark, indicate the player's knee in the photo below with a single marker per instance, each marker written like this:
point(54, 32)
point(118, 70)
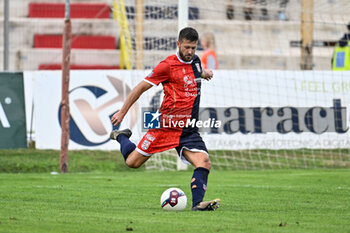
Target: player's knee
point(207, 163)
point(202, 161)
point(132, 164)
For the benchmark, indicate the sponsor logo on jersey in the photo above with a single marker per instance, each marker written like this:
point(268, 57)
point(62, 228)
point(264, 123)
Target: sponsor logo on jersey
point(150, 137)
point(190, 87)
point(145, 144)
point(188, 81)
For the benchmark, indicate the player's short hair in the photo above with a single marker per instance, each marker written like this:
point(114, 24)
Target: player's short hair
point(188, 33)
point(348, 26)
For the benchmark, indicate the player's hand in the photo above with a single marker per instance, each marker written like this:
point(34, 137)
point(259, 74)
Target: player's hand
point(207, 74)
point(117, 118)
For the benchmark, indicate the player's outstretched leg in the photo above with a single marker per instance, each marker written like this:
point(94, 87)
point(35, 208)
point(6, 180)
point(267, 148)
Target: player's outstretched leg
point(122, 136)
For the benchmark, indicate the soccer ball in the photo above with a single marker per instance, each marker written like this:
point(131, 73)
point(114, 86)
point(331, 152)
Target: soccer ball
point(173, 199)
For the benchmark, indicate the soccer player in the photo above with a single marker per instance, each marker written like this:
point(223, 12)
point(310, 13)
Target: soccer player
point(180, 74)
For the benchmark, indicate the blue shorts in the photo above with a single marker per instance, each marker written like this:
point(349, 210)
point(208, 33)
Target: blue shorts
point(191, 141)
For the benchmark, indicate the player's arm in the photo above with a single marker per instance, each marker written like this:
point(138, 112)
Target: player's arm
point(130, 100)
point(207, 74)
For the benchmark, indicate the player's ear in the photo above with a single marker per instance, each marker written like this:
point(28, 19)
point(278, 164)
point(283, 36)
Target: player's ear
point(178, 44)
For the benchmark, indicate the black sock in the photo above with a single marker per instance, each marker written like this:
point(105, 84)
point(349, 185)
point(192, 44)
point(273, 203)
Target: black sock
point(199, 184)
point(126, 146)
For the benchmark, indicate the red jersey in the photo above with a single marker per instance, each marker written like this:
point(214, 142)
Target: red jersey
point(181, 84)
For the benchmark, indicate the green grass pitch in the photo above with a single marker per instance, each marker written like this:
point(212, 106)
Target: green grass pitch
point(125, 201)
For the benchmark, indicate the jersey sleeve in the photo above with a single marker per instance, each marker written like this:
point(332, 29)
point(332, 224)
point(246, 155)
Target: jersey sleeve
point(159, 74)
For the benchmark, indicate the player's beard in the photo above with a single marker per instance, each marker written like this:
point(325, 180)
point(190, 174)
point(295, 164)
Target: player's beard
point(183, 57)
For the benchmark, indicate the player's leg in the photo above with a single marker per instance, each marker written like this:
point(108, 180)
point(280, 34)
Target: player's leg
point(197, 159)
point(201, 163)
point(131, 156)
point(136, 159)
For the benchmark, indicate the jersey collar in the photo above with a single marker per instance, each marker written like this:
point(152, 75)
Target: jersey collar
point(186, 62)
